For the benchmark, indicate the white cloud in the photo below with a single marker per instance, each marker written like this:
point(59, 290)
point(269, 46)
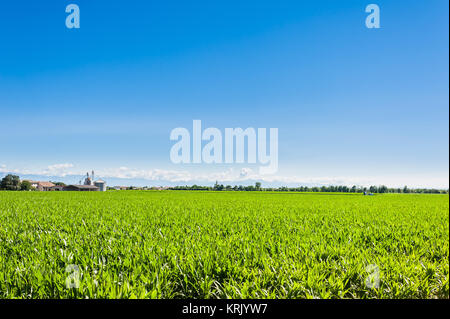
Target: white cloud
point(60, 166)
point(58, 170)
point(245, 172)
point(4, 169)
point(235, 176)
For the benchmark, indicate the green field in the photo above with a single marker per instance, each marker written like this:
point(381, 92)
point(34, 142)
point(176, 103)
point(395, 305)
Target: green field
point(176, 244)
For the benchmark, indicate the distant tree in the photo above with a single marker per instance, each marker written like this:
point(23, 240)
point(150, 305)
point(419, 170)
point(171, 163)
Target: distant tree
point(373, 189)
point(405, 190)
point(25, 186)
point(258, 186)
point(383, 189)
point(10, 182)
point(59, 183)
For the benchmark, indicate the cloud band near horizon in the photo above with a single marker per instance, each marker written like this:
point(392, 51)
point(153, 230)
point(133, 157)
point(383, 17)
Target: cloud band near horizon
point(230, 176)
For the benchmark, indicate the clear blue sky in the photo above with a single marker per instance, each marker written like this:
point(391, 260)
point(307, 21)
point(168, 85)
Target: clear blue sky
point(351, 104)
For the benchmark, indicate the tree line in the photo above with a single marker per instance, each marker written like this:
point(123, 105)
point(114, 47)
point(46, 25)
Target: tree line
point(13, 183)
point(326, 189)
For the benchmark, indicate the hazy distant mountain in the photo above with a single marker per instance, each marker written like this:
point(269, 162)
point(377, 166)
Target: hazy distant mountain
point(114, 181)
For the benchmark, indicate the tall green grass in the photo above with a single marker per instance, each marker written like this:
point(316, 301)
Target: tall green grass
point(145, 244)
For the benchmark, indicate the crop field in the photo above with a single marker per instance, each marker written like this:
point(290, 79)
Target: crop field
point(192, 244)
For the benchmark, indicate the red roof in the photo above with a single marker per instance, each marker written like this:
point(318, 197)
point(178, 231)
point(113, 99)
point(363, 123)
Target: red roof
point(46, 184)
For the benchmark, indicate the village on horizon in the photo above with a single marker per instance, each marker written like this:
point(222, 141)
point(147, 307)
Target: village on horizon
point(88, 185)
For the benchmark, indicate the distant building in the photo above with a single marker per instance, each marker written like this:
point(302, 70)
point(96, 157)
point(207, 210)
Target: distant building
point(42, 186)
point(34, 184)
point(88, 180)
point(89, 185)
point(101, 185)
point(81, 188)
point(160, 188)
point(120, 188)
point(45, 186)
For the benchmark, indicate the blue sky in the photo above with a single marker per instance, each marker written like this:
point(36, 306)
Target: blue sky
point(352, 105)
